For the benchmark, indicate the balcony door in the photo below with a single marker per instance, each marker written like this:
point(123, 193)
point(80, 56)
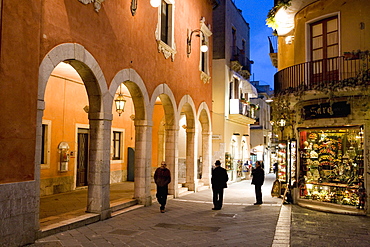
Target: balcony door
point(324, 50)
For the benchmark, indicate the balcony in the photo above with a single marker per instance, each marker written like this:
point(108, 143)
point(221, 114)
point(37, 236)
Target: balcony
point(241, 112)
point(328, 74)
point(273, 50)
point(240, 63)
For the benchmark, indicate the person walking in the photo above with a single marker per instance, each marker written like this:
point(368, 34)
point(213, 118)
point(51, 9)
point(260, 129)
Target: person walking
point(219, 182)
point(162, 177)
point(258, 177)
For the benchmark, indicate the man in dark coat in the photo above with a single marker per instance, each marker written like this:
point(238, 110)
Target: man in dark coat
point(162, 177)
point(258, 177)
point(219, 182)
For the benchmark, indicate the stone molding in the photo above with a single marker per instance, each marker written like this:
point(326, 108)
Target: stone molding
point(97, 3)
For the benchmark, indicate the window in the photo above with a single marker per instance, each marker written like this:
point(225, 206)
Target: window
point(233, 33)
point(117, 140)
point(204, 56)
point(165, 17)
point(324, 51)
point(45, 144)
point(324, 39)
point(165, 29)
point(235, 92)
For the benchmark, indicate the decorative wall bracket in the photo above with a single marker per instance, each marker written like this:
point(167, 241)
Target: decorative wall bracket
point(97, 3)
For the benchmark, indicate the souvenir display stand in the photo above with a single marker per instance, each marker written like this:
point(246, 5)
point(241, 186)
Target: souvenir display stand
point(331, 165)
point(281, 155)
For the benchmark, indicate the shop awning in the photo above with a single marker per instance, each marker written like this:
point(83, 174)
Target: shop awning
point(250, 89)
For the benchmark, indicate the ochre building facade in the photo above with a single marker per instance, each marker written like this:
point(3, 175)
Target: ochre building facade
point(63, 66)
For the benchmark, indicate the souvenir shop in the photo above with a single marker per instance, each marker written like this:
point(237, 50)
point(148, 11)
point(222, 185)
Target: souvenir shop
point(332, 165)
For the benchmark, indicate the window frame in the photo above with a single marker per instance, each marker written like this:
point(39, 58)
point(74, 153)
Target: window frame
point(204, 61)
point(308, 32)
point(167, 48)
point(115, 159)
point(45, 144)
point(324, 36)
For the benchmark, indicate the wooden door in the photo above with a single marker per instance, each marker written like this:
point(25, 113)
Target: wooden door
point(130, 164)
point(324, 50)
point(82, 157)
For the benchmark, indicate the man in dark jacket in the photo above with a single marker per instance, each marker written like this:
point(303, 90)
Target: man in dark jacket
point(162, 177)
point(219, 182)
point(258, 177)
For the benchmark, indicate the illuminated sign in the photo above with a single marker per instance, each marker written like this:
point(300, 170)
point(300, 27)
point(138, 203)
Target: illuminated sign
point(326, 110)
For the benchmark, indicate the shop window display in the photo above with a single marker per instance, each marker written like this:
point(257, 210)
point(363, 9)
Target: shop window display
point(331, 165)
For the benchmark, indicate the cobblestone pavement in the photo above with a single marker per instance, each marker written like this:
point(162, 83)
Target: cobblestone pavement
point(315, 228)
point(189, 221)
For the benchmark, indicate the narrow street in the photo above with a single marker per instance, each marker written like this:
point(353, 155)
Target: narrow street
point(189, 221)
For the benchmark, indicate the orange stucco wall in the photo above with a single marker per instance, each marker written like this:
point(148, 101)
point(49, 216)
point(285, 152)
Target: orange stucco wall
point(115, 38)
point(65, 102)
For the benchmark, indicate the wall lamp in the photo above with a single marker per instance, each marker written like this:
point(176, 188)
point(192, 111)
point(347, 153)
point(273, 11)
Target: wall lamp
point(154, 3)
point(203, 48)
point(120, 102)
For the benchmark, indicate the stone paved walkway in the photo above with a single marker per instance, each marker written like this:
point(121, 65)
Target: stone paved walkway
point(189, 221)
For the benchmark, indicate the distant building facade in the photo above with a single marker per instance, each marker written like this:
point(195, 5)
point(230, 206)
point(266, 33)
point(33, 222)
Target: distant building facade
point(232, 112)
point(261, 131)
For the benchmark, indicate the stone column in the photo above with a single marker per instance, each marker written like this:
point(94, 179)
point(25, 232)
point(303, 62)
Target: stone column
point(191, 163)
point(99, 166)
point(207, 157)
point(143, 149)
point(40, 113)
point(172, 159)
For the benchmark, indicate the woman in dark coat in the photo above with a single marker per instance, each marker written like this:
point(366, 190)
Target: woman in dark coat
point(219, 182)
point(258, 177)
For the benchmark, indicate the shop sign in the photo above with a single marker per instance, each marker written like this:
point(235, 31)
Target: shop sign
point(326, 110)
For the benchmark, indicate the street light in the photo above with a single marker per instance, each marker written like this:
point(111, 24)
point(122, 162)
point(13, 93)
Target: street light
point(203, 48)
point(282, 123)
point(120, 102)
point(155, 3)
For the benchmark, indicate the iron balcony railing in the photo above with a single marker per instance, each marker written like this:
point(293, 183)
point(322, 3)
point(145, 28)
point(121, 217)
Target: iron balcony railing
point(350, 70)
point(239, 55)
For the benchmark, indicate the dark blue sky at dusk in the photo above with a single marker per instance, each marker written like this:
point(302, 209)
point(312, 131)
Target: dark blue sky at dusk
point(255, 13)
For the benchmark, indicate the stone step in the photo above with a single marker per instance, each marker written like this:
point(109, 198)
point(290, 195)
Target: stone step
point(81, 219)
point(203, 187)
point(122, 204)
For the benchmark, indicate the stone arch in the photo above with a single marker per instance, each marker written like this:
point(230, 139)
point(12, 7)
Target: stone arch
point(132, 80)
point(204, 117)
point(169, 103)
point(187, 107)
point(134, 83)
point(85, 65)
point(171, 131)
point(99, 120)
